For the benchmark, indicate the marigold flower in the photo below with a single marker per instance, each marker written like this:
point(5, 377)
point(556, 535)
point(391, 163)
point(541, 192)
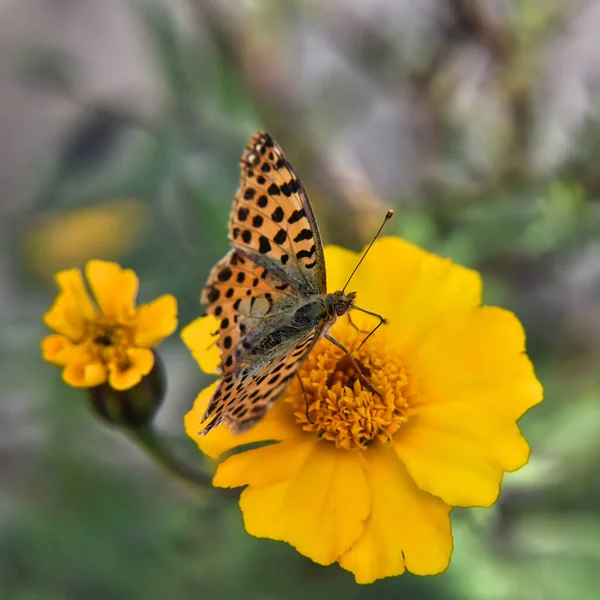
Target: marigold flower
point(106, 339)
point(369, 481)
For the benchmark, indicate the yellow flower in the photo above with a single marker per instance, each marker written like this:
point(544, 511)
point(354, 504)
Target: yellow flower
point(56, 241)
point(368, 481)
point(109, 339)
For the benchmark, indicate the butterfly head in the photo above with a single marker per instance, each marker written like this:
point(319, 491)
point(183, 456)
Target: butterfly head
point(339, 303)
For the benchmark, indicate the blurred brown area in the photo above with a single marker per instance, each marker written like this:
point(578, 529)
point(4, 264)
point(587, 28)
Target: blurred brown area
point(121, 124)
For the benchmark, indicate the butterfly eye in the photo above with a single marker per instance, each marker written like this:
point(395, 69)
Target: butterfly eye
point(342, 309)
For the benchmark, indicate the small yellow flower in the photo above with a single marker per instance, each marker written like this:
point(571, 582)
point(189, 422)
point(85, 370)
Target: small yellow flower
point(108, 339)
point(369, 481)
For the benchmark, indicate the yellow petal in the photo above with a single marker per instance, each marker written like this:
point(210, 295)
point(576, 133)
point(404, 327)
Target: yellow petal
point(340, 262)
point(198, 337)
point(321, 511)
point(413, 289)
point(459, 452)
point(72, 284)
point(278, 424)
point(477, 357)
point(141, 361)
point(114, 288)
point(65, 317)
point(406, 528)
point(86, 373)
point(264, 466)
point(155, 321)
point(57, 349)
point(72, 308)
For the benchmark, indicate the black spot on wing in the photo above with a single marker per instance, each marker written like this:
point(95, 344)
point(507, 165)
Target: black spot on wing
point(224, 274)
point(277, 215)
point(264, 245)
point(305, 234)
point(296, 216)
point(305, 253)
point(280, 237)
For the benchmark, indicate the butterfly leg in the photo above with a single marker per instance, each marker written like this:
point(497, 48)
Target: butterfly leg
point(382, 321)
point(355, 325)
point(359, 372)
point(305, 398)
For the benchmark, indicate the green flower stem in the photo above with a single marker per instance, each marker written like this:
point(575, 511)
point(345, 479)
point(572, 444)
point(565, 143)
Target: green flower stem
point(150, 441)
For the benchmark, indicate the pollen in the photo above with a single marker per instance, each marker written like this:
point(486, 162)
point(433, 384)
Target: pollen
point(343, 406)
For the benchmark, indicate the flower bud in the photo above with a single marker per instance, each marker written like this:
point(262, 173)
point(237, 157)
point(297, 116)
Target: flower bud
point(134, 407)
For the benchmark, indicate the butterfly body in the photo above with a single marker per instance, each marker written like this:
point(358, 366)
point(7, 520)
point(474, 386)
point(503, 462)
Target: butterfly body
point(320, 310)
point(269, 291)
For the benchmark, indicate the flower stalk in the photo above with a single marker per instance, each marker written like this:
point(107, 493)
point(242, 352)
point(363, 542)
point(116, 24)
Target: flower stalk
point(157, 450)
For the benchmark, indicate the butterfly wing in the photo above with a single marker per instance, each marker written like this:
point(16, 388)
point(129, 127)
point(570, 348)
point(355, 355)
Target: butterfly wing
point(276, 263)
point(272, 221)
point(242, 399)
point(243, 295)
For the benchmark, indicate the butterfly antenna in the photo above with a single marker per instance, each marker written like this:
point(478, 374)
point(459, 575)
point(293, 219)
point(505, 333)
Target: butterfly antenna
point(388, 216)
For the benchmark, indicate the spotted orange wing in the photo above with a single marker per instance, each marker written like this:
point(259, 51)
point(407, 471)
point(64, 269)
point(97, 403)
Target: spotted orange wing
point(243, 398)
point(272, 221)
point(242, 295)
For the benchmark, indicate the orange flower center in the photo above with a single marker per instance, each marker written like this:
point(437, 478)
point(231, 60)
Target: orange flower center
point(339, 404)
point(109, 341)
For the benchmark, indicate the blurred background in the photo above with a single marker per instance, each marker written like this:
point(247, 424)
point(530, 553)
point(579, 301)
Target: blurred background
point(121, 125)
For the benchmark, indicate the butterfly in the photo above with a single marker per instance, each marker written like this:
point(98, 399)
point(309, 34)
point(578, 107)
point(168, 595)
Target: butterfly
point(269, 291)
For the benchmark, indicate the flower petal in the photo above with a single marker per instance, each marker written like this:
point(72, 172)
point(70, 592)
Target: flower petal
point(340, 262)
point(72, 308)
point(477, 357)
point(264, 466)
point(141, 361)
point(57, 349)
point(155, 321)
point(414, 289)
point(459, 452)
point(85, 372)
point(321, 511)
point(114, 288)
point(278, 424)
point(72, 284)
point(198, 337)
point(406, 528)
